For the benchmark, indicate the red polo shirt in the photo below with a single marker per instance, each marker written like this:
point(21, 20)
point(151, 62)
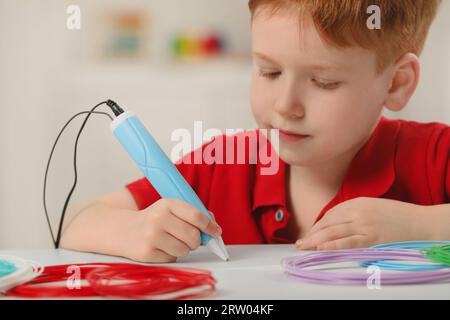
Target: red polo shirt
point(403, 160)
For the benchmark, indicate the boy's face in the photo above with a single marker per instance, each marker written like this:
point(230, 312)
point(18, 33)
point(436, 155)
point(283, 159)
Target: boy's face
point(302, 85)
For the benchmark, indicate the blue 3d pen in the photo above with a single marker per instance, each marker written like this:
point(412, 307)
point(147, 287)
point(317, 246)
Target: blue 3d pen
point(159, 170)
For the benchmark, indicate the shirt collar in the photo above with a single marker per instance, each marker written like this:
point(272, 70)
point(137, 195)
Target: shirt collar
point(269, 190)
point(372, 171)
point(370, 174)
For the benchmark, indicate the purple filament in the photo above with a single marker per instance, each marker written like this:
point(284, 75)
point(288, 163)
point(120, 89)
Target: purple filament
point(300, 267)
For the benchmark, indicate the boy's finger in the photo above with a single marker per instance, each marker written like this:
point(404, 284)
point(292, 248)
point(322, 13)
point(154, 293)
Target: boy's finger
point(191, 214)
point(160, 256)
point(183, 231)
point(356, 241)
point(332, 233)
point(172, 246)
point(332, 217)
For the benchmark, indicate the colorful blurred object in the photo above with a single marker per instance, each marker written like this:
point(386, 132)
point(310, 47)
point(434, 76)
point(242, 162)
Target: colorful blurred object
point(126, 34)
point(194, 46)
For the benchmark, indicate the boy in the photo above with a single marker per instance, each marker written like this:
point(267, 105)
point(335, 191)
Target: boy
point(347, 177)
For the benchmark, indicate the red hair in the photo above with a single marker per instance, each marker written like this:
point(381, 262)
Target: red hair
point(343, 23)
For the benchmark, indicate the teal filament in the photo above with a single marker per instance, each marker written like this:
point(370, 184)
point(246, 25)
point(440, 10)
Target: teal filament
point(6, 268)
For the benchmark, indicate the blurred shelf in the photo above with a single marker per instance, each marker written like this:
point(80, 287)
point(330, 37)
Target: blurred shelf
point(175, 74)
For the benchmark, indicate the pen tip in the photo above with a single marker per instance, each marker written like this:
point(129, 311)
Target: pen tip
point(218, 247)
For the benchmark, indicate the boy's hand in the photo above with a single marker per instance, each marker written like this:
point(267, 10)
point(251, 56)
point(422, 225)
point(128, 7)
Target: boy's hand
point(363, 222)
point(167, 230)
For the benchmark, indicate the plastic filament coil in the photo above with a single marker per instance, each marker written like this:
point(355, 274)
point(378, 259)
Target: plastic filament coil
point(119, 280)
point(304, 267)
point(439, 254)
point(15, 271)
point(6, 268)
point(420, 246)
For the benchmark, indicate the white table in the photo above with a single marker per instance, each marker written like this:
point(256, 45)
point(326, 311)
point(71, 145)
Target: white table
point(255, 272)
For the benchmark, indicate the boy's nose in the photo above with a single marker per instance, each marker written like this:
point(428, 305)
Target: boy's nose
point(290, 111)
point(289, 105)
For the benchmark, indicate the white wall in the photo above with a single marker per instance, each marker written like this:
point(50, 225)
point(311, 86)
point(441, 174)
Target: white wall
point(431, 102)
point(46, 75)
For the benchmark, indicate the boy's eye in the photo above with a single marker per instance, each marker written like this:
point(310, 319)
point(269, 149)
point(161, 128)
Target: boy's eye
point(269, 75)
point(326, 85)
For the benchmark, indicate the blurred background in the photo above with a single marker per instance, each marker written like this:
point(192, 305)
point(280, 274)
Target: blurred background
point(172, 62)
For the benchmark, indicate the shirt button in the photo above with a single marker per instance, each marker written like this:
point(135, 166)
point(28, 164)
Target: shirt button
point(279, 215)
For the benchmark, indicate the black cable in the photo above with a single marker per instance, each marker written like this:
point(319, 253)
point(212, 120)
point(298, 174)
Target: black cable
point(61, 222)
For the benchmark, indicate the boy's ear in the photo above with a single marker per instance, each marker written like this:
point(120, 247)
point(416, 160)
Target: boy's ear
point(405, 78)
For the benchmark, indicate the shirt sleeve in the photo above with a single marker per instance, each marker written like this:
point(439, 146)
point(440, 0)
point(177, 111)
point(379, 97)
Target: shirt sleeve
point(439, 163)
point(198, 175)
point(447, 179)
